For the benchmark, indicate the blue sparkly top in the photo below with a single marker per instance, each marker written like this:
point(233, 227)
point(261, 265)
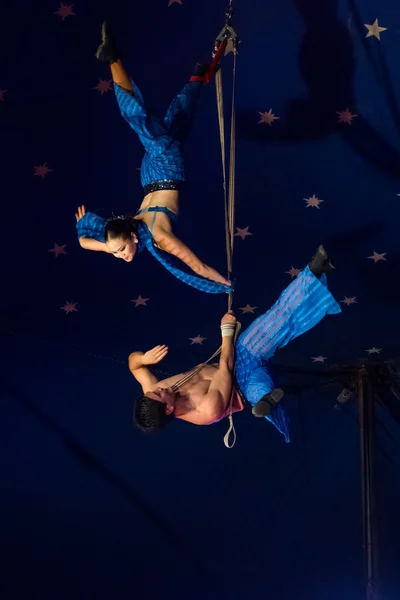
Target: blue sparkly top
point(93, 226)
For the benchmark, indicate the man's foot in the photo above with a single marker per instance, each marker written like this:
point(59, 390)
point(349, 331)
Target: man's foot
point(266, 405)
point(321, 263)
point(108, 50)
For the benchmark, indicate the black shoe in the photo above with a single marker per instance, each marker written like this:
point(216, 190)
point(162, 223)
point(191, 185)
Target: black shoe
point(266, 405)
point(108, 50)
point(200, 71)
point(321, 263)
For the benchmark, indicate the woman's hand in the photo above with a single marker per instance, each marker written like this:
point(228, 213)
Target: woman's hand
point(229, 317)
point(210, 273)
point(81, 213)
point(155, 355)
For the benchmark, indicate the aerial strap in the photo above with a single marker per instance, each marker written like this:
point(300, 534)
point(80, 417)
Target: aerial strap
point(228, 33)
point(221, 42)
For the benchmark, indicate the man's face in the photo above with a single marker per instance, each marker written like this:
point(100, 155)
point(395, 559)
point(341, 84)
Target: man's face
point(166, 396)
point(125, 249)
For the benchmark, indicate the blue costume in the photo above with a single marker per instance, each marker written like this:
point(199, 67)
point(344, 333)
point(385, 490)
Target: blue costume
point(299, 308)
point(163, 163)
point(162, 169)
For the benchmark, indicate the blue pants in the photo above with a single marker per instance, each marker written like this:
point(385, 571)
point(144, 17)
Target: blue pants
point(299, 308)
point(162, 140)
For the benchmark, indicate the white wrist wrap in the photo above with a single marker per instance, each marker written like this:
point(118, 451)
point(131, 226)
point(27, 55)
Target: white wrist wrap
point(228, 329)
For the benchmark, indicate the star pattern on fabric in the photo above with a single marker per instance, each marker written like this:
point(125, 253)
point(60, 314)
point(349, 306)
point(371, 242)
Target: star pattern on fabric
point(197, 340)
point(348, 301)
point(57, 250)
point(41, 170)
point(248, 309)
point(65, 10)
point(104, 85)
point(374, 30)
point(376, 257)
point(374, 350)
point(267, 118)
point(139, 301)
point(313, 202)
point(69, 307)
point(293, 272)
point(174, 2)
point(346, 116)
point(2, 92)
point(319, 359)
point(242, 233)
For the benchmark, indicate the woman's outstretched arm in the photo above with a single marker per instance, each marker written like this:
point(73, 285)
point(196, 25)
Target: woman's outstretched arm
point(168, 242)
point(86, 242)
point(91, 244)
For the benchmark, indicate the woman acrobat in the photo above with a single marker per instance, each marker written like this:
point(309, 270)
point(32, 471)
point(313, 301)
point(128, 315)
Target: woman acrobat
point(162, 175)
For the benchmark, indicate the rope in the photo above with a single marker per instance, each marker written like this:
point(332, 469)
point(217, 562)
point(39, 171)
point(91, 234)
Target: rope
point(229, 192)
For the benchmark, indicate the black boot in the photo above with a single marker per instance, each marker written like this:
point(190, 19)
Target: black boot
point(265, 406)
point(108, 50)
point(200, 71)
point(321, 263)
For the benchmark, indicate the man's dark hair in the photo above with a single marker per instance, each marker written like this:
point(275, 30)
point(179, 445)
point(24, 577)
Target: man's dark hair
point(120, 228)
point(149, 415)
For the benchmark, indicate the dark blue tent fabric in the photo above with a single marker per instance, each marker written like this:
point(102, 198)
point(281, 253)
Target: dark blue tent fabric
point(89, 506)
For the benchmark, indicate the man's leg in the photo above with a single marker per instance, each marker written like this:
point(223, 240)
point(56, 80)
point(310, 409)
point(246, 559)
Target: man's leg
point(299, 308)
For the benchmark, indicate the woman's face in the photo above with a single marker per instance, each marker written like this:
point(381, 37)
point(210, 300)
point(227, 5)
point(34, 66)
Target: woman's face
point(125, 249)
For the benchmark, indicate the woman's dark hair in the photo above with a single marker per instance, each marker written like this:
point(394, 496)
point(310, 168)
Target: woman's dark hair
point(120, 228)
point(149, 415)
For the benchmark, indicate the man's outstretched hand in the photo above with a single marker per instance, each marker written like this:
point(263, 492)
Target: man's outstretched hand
point(155, 355)
point(229, 317)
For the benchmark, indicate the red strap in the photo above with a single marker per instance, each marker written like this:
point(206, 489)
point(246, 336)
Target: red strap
point(213, 66)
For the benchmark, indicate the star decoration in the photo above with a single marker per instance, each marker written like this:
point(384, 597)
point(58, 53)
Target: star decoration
point(69, 307)
point(347, 301)
point(197, 340)
point(267, 117)
point(374, 350)
point(346, 116)
point(313, 202)
point(57, 250)
point(139, 301)
point(230, 47)
point(104, 85)
point(374, 30)
point(2, 92)
point(319, 359)
point(377, 257)
point(41, 171)
point(65, 10)
point(293, 272)
point(173, 2)
point(242, 233)
point(248, 309)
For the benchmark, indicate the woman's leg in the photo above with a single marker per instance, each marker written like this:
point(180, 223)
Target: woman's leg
point(120, 77)
point(182, 109)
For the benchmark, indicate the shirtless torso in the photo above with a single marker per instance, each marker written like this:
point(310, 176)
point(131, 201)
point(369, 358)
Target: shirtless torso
point(193, 398)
